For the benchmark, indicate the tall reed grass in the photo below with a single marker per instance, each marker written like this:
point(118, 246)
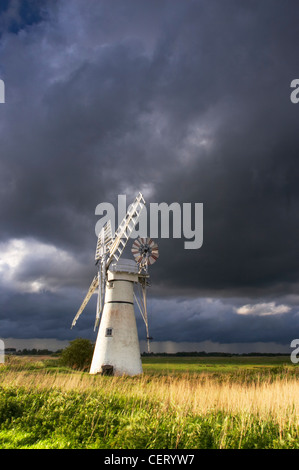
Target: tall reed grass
point(164, 411)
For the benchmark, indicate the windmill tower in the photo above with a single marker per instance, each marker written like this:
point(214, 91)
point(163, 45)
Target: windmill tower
point(117, 349)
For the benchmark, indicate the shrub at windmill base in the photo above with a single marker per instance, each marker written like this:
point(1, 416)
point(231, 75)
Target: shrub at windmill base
point(78, 354)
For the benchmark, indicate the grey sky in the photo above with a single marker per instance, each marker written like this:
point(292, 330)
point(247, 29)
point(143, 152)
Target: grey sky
point(185, 101)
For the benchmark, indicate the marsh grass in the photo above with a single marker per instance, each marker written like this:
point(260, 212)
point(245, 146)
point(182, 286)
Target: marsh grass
point(43, 405)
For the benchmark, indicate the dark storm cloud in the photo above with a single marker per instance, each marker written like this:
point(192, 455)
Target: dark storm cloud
point(247, 178)
point(189, 100)
point(219, 321)
point(17, 15)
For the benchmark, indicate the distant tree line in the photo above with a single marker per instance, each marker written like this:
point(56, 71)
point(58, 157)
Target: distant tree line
point(80, 345)
point(215, 354)
point(30, 352)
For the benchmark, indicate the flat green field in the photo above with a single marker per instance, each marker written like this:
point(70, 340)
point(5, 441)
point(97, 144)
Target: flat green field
point(172, 364)
point(177, 403)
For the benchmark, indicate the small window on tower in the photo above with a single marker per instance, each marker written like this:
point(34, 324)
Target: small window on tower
point(110, 285)
point(108, 331)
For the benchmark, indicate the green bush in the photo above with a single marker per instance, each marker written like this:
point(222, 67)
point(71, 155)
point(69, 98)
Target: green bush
point(78, 354)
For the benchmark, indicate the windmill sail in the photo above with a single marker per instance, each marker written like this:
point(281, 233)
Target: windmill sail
point(101, 293)
point(125, 229)
point(105, 240)
point(110, 248)
point(91, 290)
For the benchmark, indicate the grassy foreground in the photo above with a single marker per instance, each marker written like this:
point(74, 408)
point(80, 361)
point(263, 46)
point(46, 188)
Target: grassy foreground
point(178, 403)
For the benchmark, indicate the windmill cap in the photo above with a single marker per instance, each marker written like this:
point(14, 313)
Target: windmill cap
point(124, 266)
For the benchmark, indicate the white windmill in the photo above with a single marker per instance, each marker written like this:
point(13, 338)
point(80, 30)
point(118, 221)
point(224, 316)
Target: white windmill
point(117, 349)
